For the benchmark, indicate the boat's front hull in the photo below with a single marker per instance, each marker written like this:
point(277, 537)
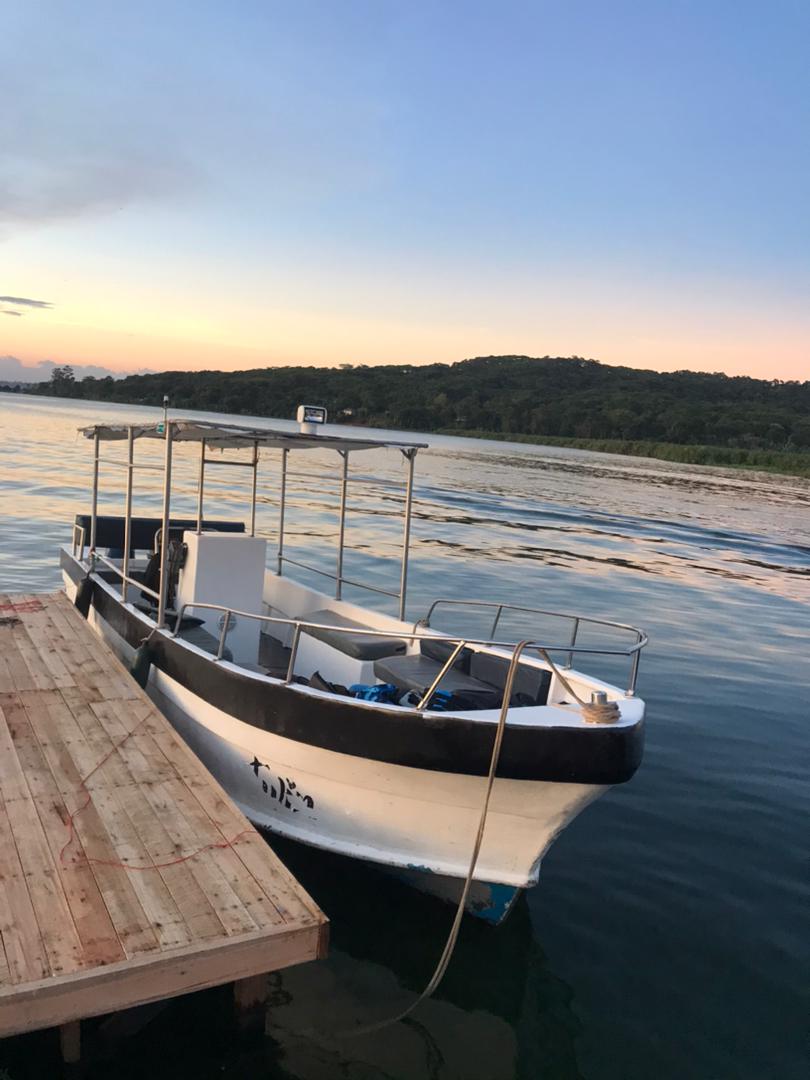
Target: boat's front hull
point(418, 823)
point(365, 818)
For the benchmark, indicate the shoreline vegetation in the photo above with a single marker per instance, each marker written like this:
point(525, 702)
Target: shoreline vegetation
point(692, 417)
point(775, 461)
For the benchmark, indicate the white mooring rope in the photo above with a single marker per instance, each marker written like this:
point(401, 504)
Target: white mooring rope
point(597, 711)
point(452, 938)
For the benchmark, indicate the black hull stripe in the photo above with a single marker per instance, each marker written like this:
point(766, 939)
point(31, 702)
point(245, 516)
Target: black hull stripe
point(437, 742)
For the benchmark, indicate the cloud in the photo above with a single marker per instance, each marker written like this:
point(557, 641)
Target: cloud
point(24, 301)
point(86, 135)
point(8, 311)
point(36, 190)
point(14, 370)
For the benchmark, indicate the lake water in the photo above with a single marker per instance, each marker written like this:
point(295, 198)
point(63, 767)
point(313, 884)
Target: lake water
point(669, 935)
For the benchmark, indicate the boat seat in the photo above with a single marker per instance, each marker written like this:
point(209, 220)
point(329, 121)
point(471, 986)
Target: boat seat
point(359, 646)
point(478, 676)
point(191, 629)
point(200, 637)
point(110, 530)
point(417, 672)
point(530, 686)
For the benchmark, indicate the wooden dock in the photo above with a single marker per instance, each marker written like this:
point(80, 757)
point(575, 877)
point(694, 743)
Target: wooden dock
point(126, 873)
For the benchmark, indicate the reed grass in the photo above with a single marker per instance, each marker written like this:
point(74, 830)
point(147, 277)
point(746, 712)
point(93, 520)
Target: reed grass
point(786, 462)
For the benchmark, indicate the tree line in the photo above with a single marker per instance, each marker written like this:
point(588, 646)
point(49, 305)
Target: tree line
point(557, 397)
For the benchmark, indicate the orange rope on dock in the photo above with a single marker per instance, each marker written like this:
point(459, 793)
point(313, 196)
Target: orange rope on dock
point(88, 860)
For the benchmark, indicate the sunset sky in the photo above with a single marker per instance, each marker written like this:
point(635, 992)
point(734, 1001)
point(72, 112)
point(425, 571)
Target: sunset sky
point(258, 183)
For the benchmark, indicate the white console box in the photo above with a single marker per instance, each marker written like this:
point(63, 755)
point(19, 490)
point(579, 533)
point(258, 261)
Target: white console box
point(226, 569)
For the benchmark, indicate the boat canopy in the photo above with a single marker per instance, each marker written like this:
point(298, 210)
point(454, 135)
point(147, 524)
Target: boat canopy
point(213, 436)
point(237, 436)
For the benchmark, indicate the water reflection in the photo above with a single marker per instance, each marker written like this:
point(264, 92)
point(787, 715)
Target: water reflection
point(499, 1004)
point(668, 937)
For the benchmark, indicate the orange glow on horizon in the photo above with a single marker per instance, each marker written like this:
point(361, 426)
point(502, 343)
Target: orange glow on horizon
point(313, 339)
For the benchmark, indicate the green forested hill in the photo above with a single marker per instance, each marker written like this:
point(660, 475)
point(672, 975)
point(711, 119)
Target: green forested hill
point(559, 397)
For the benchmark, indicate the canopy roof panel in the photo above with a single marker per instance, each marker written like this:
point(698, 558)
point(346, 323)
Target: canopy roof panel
point(236, 436)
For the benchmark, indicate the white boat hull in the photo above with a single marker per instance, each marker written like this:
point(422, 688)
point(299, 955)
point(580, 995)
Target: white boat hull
point(419, 823)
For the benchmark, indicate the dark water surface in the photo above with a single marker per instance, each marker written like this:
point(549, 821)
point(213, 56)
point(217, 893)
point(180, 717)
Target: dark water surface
point(668, 937)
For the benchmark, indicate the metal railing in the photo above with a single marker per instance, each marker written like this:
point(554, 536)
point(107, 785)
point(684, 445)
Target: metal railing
point(126, 579)
point(79, 534)
point(339, 579)
point(576, 620)
point(299, 626)
point(570, 648)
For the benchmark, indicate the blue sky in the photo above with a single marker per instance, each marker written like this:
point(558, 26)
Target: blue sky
point(238, 185)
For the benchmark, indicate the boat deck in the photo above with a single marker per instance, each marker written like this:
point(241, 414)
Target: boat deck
point(126, 873)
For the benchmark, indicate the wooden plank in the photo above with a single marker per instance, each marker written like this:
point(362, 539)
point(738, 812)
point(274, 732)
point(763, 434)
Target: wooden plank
point(54, 917)
point(88, 907)
point(75, 645)
point(5, 972)
point(292, 901)
point(40, 677)
point(78, 765)
point(136, 747)
point(70, 765)
point(143, 979)
point(6, 680)
point(13, 784)
point(162, 913)
point(281, 889)
point(195, 907)
point(97, 745)
point(108, 676)
point(133, 926)
point(26, 957)
point(205, 866)
point(14, 672)
point(261, 908)
point(126, 874)
point(36, 625)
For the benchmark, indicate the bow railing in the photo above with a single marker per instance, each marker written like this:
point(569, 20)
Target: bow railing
point(300, 626)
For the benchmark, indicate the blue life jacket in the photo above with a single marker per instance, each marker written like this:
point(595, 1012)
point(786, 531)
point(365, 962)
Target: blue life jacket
point(386, 693)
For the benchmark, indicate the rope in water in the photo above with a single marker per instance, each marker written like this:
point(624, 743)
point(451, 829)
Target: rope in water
point(594, 712)
point(452, 938)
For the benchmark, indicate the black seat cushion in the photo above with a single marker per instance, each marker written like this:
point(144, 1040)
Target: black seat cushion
point(441, 649)
point(110, 530)
point(530, 682)
point(360, 646)
point(418, 672)
point(188, 623)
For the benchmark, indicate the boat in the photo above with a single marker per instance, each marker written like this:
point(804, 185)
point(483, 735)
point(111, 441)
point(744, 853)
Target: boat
point(343, 727)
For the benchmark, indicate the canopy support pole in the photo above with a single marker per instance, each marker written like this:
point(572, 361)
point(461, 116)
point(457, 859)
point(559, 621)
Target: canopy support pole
point(253, 490)
point(164, 530)
point(344, 483)
point(282, 506)
point(94, 507)
point(128, 510)
point(410, 456)
point(201, 488)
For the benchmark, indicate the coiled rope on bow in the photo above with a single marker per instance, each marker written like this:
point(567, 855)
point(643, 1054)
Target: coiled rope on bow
point(596, 711)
